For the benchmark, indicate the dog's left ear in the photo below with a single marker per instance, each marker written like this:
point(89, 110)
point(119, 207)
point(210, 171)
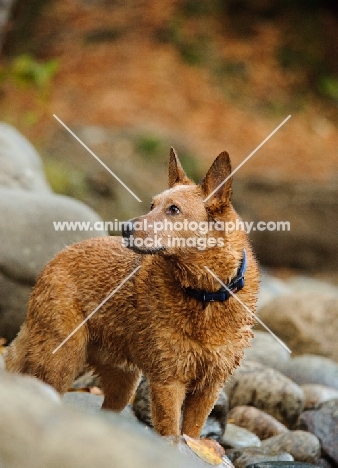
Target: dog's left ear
point(176, 172)
point(216, 185)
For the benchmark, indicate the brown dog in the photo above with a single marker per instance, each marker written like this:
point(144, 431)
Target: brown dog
point(169, 320)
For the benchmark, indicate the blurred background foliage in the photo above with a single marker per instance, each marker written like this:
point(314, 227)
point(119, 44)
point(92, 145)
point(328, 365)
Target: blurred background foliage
point(134, 77)
point(307, 42)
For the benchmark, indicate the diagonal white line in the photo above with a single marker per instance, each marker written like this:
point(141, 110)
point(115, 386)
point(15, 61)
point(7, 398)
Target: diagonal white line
point(96, 157)
point(97, 308)
point(246, 159)
point(248, 310)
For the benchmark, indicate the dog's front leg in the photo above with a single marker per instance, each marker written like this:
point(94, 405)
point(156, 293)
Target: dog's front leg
point(197, 407)
point(166, 405)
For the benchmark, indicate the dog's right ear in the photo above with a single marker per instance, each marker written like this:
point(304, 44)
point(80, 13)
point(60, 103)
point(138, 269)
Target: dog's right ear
point(176, 172)
point(216, 185)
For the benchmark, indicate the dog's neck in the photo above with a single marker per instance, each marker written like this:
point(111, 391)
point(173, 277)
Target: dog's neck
point(190, 272)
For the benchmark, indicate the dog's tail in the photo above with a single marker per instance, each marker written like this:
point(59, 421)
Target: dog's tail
point(15, 353)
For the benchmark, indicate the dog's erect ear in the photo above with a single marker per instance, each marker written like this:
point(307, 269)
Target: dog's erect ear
point(176, 172)
point(216, 185)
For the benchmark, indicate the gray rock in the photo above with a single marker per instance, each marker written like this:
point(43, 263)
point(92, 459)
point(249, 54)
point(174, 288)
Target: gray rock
point(316, 394)
point(20, 164)
point(266, 389)
point(241, 458)
point(141, 404)
point(306, 284)
point(237, 437)
point(39, 433)
point(25, 383)
point(212, 429)
point(28, 242)
point(91, 404)
point(303, 446)
point(266, 350)
point(323, 422)
point(29, 238)
point(257, 421)
point(83, 401)
point(270, 287)
point(305, 322)
point(310, 369)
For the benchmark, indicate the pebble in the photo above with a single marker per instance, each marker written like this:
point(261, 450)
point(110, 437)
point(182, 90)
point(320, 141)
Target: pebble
point(316, 394)
point(323, 422)
point(266, 389)
point(237, 437)
point(303, 446)
point(257, 421)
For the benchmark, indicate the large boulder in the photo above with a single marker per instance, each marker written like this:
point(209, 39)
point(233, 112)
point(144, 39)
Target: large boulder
point(39, 432)
point(29, 238)
point(20, 164)
point(305, 320)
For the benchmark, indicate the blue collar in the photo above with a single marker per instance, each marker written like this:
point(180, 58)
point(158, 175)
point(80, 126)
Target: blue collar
point(235, 285)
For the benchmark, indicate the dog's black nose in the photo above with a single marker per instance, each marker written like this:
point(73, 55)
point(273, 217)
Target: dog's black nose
point(127, 229)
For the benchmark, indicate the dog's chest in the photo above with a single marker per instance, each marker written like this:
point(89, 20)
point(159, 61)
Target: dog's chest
point(188, 360)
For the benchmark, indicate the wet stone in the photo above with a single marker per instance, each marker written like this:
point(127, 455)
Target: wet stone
point(266, 389)
point(316, 394)
point(323, 422)
point(257, 421)
point(236, 437)
point(311, 369)
point(243, 458)
point(303, 446)
point(266, 350)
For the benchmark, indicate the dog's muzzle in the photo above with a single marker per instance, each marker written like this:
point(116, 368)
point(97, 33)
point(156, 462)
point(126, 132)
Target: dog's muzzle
point(127, 231)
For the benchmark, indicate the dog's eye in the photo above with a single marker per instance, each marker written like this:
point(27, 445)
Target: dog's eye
point(151, 206)
point(173, 210)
